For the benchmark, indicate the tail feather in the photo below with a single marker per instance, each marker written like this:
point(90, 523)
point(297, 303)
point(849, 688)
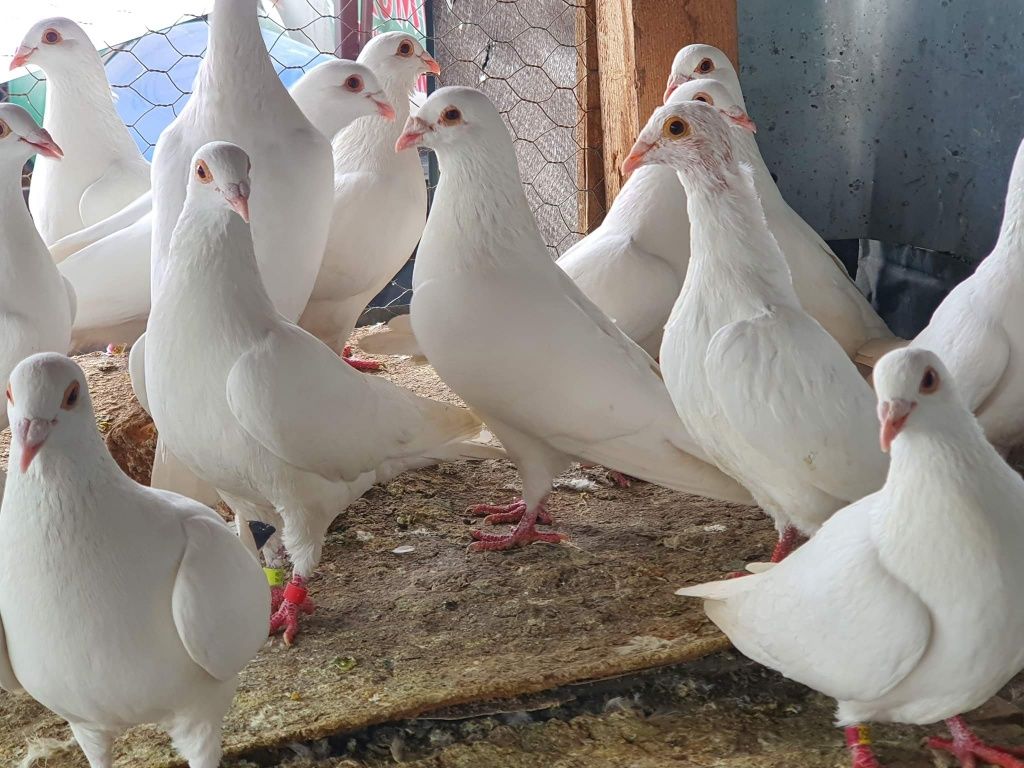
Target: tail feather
point(720, 590)
point(396, 338)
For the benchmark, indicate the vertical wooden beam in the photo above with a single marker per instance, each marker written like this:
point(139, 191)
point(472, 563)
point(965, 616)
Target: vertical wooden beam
point(637, 40)
point(590, 165)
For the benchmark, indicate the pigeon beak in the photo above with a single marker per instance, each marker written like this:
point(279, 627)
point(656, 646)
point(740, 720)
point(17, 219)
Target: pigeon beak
point(893, 415)
point(674, 81)
point(384, 109)
point(412, 134)
point(430, 63)
point(31, 434)
point(636, 157)
point(21, 56)
point(237, 196)
point(44, 144)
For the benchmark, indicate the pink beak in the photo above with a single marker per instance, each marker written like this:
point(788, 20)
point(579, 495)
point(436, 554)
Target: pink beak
point(412, 134)
point(430, 63)
point(31, 434)
point(635, 158)
point(44, 144)
point(384, 109)
point(893, 415)
point(674, 81)
point(240, 205)
point(21, 56)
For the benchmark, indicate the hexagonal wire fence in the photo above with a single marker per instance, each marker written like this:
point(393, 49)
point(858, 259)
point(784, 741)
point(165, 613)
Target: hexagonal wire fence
point(528, 56)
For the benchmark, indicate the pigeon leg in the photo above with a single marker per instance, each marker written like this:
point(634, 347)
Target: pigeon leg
point(790, 539)
point(968, 749)
point(494, 514)
point(524, 533)
point(858, 740)
point(96, 743)
point(359, 363)
point(620, 480)
point(294, 602)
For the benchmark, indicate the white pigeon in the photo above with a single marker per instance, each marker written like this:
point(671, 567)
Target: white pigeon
point(112, 276)
point(380, 200)
point(259, 408)
point(37, 305)
point(764, 390)
point(978, 329)
point(906, 605)
point(104, 169)
point(700, 61)
point(512, 335)
point(119, 604)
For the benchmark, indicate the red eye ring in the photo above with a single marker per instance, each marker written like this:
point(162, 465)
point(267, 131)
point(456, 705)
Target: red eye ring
point(354, 83)
point(51, 36)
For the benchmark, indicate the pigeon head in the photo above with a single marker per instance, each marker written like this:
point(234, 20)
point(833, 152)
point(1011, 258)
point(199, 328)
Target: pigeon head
point(716, 94)
point(449, 116)
point(699, 62)
point(20, 137)
point(398, 59)
point(219, 177)
point(52, 42)
point(342, 91)
point(48, 405)
point(693, 138)
point(913, 386)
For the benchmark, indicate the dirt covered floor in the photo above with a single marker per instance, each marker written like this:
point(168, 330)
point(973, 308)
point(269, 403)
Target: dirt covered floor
point(423, 656)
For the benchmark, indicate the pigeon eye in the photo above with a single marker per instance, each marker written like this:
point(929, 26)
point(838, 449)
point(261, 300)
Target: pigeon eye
point(5, 130)
point(451, 116)
point(929, 382)
point(354, 83)
point(405, 49)
point(203, 172)
point(706, 65)
point(675, 128)
point(52, 36)
point(70, 396)
point(705, 98)
point(10, 395)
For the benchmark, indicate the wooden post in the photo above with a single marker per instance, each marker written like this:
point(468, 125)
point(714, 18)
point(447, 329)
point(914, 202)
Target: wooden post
point(590, 166)
point(637, 40)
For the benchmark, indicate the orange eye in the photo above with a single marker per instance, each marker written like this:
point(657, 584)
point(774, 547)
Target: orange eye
point(705, 98)
point(675, 128)
point(706, 65)
point(51, 36)
point(10, 395)
point(405, 49)
point(451, 116)
point(354, 83)
point(929, 382)
point(203, 172)
point(70, 396)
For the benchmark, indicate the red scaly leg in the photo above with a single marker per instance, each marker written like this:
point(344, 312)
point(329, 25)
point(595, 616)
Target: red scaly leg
point(524, 533)
point(512, 512)
point(620, 480)
point(359, 363)
point(790, 539)
point(968, 749)
point(858, 740)
point(294, 602)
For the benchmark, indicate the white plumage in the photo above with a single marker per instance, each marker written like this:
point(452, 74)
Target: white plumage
point(103, 170)
point(761, 386)
point(516, 338)
point(978, 330)
point(160, 606)
point(37, 305)
point(904, 606)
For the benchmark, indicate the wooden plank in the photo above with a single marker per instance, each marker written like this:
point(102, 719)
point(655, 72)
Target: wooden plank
point(637, 42)
point(590, 166)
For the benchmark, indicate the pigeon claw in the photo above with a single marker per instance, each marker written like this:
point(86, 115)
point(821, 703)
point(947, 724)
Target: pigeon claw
point(524, 533)
point(496, 514)
point(790, 539)
point(359, 363)
point(619, 479)
point(968, 749)
point(294, 602)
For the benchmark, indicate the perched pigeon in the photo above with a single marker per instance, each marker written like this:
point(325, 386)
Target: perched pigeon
point(104, 170)
point(37, 305)
point(700, 61)
point(905, 606)
point(112, 276)
point(119, 604)
point(493, 313)
point(259, 408)
point(763, 389)
point(978, 330)
point(380, 200)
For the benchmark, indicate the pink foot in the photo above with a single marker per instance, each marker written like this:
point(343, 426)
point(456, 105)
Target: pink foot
point(294, 602)
point(968, 749)
point(276, 597)
point(495, 514)
point(524, 533)
point(790, 539)
point(858, 740)
point(360, 364)
point(620, 480)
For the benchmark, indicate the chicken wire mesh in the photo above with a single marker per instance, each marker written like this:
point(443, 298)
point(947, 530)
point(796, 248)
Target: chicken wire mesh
point(528, 56)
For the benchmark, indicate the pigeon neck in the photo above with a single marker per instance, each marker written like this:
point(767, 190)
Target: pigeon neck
point(64, 463)
point(1011, 232)
point(236, 49)
point(17, 219)
point(748, 152)
point(80, 111)
point(730, 243)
